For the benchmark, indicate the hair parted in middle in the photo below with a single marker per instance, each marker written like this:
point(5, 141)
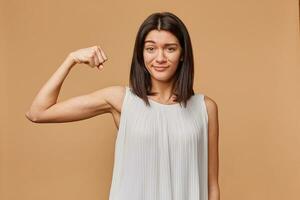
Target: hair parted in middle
point(140, 78)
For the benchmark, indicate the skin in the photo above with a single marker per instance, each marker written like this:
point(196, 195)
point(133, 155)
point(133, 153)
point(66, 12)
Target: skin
point(213, 150)
point(46, 109)
point(162, 49)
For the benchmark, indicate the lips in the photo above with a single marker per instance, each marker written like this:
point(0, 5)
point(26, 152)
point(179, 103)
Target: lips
point(160, 66)
point(159, 69)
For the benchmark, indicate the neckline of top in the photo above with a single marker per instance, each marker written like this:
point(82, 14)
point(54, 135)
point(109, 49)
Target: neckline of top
point(159, 104)
point(162, 104)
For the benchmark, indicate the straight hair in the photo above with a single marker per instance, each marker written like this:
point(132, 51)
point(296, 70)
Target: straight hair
point(140, 78)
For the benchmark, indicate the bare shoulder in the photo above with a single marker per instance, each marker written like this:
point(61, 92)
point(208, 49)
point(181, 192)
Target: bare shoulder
point(212, 107)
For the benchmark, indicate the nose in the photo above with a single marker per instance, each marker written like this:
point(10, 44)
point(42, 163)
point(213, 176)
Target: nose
point(161, 57)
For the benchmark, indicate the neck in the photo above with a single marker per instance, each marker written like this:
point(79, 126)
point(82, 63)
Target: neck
point(163, 90)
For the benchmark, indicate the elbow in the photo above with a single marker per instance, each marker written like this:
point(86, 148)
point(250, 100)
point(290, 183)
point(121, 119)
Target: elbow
point(31, 117)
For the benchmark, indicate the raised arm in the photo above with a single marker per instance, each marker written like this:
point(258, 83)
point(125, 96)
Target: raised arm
point(46, 109)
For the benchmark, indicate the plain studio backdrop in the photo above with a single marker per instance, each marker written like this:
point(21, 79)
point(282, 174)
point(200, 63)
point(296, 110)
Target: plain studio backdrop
point(246, 59)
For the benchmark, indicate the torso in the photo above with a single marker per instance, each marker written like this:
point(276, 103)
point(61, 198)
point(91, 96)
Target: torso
point(151, 142)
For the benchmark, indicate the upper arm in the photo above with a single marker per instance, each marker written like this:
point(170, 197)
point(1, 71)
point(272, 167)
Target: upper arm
point(213, 137)
point(80, 107)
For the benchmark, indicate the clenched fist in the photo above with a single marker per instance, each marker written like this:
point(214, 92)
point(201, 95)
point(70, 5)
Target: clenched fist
point(93, 56)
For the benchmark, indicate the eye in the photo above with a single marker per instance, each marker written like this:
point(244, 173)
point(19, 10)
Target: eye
point(171, 49)
point(149, 48)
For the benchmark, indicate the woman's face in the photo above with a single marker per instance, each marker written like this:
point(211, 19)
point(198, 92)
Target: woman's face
point(161, 54)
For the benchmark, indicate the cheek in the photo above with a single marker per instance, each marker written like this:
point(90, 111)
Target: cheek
point(148, 58)
point(174, 58)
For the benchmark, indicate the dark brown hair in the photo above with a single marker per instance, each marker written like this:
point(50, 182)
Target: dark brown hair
point(140, 79)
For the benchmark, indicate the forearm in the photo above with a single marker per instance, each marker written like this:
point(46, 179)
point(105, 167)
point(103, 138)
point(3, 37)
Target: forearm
point(48, 94)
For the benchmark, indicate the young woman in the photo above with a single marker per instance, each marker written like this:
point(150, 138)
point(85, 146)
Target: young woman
point(167, 140)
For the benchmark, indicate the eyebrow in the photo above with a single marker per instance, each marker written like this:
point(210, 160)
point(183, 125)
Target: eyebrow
point(167, 44)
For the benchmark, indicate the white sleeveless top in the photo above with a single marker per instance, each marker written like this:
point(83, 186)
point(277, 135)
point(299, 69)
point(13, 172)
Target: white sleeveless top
point(161, 152)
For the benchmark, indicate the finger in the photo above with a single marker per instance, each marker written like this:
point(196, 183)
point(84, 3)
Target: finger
point(100, 57)
point(91, 61)
point(100, 66)
point(96, 60)
point(95, 57)
point(103, 54)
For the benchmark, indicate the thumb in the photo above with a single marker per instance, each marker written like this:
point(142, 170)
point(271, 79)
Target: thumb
point(100, 66)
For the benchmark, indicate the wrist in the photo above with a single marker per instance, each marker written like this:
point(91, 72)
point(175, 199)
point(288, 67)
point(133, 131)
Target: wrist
point(69, 62)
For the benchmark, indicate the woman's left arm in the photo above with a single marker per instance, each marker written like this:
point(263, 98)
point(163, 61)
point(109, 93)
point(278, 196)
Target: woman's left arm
point(213, 150)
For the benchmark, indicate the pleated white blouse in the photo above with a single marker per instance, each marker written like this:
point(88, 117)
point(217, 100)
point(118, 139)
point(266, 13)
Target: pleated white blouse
point(161, 152)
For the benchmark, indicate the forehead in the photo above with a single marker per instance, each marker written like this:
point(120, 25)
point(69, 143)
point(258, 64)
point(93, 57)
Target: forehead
point(160, 37)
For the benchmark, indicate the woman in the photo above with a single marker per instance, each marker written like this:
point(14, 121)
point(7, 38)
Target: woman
point(164, 150)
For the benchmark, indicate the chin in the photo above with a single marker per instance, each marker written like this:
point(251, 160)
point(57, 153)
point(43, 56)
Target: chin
point(162, 78)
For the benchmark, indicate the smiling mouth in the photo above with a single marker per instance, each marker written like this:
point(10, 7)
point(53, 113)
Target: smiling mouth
point(159, 69)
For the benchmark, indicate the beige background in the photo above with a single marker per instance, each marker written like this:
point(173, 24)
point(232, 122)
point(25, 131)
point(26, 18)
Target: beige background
point(246, 59)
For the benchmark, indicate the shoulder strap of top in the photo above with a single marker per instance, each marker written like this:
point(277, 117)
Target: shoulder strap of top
point(199, 106)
